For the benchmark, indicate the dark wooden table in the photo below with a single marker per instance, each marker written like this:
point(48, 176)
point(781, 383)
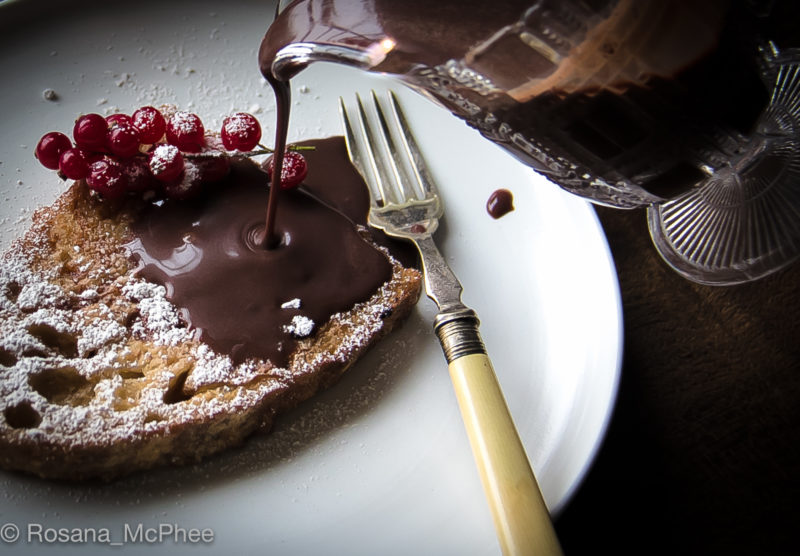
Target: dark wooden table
point(702, 455)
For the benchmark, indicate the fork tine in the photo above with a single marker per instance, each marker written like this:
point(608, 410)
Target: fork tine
point(360, 152)
point(386, 154)
point(401, 180)
point(413, 153)
point(377, 165)
point(352, 147)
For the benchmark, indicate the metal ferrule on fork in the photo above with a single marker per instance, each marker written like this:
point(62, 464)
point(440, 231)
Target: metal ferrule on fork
point(457, 331)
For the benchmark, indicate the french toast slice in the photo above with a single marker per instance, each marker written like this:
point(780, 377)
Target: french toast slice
point(101, 377)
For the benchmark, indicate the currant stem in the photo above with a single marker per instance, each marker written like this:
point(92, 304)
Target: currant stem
point(229, 154)
point(244, 154)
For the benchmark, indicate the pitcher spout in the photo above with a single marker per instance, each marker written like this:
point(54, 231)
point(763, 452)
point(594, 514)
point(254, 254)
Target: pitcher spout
point(295, 57)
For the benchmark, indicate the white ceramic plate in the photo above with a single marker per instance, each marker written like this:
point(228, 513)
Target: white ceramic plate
point(380, 464)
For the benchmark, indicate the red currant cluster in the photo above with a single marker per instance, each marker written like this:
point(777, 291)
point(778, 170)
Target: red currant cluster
point(147, 151)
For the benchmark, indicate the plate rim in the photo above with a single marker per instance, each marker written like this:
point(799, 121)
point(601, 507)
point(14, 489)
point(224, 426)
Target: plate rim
point(615, 377)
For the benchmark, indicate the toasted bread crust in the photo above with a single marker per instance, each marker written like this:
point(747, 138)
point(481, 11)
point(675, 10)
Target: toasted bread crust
point(99, 377)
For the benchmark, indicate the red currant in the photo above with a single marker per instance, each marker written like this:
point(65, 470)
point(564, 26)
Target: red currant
point(166, 163)
point(118, 119)
point(189, 184)
point(294, 169)
point(90, 132)
point(50, 147)
point(138, 176)
point(150, 123)
point(73, 164)
point(123, 139)
point(241, 131)
point(106, 177)
point(185, 130)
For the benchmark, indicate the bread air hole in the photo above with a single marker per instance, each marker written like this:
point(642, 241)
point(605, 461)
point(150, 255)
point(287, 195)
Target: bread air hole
point(63, 386)
point(175, 393)
point(12, 291)
point(63, 343)
point(131, 374)
point(7, 359)
point(22, 416)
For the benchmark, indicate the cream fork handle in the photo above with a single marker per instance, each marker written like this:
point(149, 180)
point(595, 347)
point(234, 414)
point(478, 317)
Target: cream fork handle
point(520, 515)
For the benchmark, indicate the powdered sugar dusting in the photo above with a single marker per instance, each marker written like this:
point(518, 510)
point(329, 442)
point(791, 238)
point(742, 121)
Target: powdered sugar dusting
point(236, 124)
point(300, 327)
point(98, 333)
point(162, 157)
point(292, 304)
point(159, 318)
point(184, 122)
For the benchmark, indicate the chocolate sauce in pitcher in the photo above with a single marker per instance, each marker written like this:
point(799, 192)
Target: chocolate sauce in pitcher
point(625, 102)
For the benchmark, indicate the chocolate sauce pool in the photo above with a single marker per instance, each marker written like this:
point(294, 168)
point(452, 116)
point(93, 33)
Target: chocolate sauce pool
point(229, 288)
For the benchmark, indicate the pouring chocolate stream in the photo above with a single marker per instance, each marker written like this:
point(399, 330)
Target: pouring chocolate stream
point(270, 238)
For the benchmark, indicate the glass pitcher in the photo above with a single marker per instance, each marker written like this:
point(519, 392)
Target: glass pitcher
point(690, 109)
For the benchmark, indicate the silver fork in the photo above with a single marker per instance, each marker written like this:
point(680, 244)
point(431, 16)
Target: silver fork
point(405, 204)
